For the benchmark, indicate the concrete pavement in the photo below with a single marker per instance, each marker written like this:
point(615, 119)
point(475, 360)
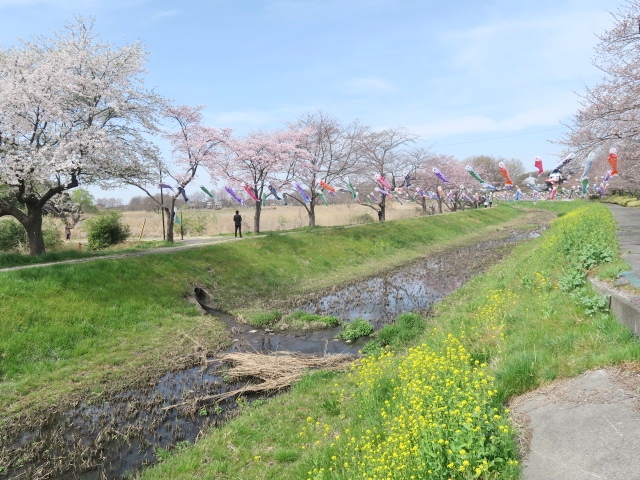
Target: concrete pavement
point(629, 240)
point(588, 427)
point(584, 428)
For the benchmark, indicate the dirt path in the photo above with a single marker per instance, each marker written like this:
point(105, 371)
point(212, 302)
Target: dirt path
point(185, 245)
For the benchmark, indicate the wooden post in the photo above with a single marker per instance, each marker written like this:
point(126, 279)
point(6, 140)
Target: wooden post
point(142, 229)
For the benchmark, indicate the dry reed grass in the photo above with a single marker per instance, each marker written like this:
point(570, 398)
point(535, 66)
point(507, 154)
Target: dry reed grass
point(274, 372)
point(148, 225)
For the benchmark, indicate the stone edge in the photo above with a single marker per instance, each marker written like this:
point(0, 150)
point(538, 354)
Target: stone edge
point(626, 308)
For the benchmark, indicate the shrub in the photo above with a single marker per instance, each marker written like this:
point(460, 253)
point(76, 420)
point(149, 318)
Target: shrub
point(51, 233)
point(12, 235)
point(429, 414)
point(592, 302)
point(195, 223)
point(106, 229)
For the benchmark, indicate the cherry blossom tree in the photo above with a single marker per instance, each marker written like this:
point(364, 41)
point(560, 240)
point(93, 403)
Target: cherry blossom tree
point(488, 168)
point(332, 156)
point(609, 115)
point(420, 175)
point(73, 110)
point(453, 194)
point(382, 154)
point(261, 159)
point(193, 145)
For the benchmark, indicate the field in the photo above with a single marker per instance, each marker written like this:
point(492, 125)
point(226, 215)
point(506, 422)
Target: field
point(196, 223)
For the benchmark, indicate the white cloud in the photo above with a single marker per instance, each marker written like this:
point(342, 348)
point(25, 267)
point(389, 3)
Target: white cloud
point(548, 42)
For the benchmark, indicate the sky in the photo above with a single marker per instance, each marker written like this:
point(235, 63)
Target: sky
point(468, 77)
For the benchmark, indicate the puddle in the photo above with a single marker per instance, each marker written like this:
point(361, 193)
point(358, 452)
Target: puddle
point(114, 439)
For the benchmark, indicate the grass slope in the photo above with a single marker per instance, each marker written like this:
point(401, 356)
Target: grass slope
point(529, 320)
point(96, 327)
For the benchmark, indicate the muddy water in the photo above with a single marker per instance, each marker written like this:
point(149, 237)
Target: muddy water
point(413, 288)
point(115, 438)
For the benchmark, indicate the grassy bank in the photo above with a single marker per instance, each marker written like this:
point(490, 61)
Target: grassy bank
point(529, 320)
point(92, 328)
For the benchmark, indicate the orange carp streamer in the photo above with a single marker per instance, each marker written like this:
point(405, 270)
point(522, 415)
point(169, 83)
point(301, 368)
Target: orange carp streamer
point(613, 161)
point(326, 186)
point(505, 174)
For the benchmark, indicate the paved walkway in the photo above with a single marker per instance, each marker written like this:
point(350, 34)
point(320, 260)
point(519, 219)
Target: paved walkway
point(588, 427)
point(629, 239)
point(179, 245)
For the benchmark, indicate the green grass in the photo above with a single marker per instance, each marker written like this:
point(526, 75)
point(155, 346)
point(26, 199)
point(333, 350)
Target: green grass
point(75, 329)
point(108, 318)
point(301, 319)
point(406, 328)
point(356, 329)
point(515, 318)
point(626, 200)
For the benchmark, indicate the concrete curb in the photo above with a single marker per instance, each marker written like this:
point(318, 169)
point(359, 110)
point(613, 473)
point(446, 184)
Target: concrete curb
point(625, 307)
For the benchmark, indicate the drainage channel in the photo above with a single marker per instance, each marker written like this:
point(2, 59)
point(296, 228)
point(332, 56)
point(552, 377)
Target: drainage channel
point(118, 437)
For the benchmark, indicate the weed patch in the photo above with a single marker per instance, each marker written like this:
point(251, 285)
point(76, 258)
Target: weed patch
point(355, 329)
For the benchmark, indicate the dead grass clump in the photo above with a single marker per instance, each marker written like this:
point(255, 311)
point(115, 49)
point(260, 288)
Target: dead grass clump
point(266, 373)
point(275, 371)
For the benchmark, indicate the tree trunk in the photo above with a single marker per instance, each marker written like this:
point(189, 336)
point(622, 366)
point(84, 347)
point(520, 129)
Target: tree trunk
point(32, 220)
point(171, 216)
point(256, 217)
point(312, 214)
point(423, 204)
point(383, 209)
point(33, 226)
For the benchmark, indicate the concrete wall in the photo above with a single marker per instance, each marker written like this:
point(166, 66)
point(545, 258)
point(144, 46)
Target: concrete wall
point(626, 308)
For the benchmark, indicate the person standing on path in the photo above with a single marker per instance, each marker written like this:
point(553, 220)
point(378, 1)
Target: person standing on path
point(237, 221)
